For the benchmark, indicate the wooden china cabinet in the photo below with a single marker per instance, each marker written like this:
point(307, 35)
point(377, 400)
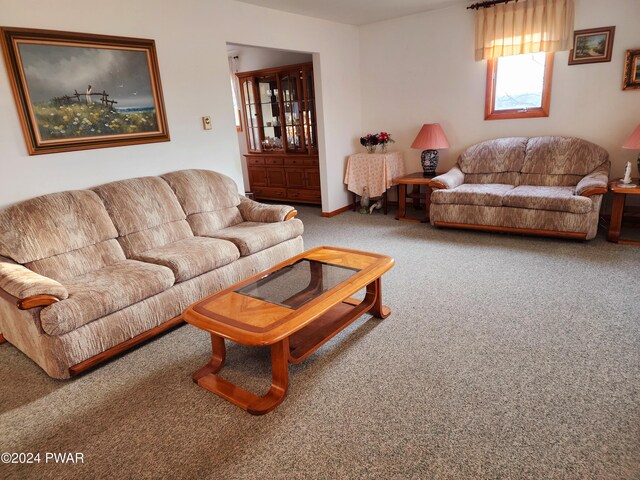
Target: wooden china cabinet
point(279, 114)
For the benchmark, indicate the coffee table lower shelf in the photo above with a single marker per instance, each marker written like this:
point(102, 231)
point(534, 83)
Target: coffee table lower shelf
point(292, 349)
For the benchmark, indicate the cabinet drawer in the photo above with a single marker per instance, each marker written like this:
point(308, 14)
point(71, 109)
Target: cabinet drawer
point(302, 194)
point(270, 192)
point(294, 161)
point(311, 162)
point(273, 161)
point(255, 161)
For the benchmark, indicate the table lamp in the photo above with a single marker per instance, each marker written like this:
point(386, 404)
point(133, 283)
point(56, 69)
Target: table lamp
point(430, 138)
point(633, 143)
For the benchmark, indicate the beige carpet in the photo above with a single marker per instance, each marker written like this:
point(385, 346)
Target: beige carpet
point(505, 357)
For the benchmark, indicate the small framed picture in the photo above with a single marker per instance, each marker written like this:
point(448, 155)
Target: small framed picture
point(631, 78)
point(592, 45)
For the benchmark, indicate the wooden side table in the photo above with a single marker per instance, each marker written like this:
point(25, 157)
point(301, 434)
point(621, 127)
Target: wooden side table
point(415, 179)
point(619, 196)
point(375, 171)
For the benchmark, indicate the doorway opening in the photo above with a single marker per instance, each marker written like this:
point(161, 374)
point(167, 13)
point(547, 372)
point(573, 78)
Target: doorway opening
point(276, 121)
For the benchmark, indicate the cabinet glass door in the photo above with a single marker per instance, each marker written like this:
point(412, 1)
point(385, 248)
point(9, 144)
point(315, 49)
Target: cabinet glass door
point(251, 115)
point(292, 112)
point(310, 112)
point(270, 113)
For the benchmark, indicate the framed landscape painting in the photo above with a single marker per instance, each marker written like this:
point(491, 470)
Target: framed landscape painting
point(77, 91)
point(593, 45)
point(631, 70)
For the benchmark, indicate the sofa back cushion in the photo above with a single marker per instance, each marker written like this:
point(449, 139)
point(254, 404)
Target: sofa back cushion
point(494, 156)
point(60, 234)
point(560, 161)
point(145, 212)
point(209, 199)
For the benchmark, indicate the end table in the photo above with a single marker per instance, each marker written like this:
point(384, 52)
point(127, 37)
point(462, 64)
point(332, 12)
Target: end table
point(416, 179)
point(619, 196)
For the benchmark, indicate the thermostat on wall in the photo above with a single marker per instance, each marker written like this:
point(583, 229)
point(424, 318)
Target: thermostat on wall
point(206, 123)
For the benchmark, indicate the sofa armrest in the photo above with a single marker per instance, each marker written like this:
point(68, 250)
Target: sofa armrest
point(27, 289)
point(449, 180)
point(259, 212)
point(593, 184)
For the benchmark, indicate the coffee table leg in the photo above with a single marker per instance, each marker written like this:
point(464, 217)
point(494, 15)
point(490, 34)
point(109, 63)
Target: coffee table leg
point(377, 309)
point(218, 353)
point(279, 380)
point(242, 398)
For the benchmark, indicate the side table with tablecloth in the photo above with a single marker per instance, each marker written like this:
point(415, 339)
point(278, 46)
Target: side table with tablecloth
point(375, 171)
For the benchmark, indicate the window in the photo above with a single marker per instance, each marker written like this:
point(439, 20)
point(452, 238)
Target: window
point(519, 86)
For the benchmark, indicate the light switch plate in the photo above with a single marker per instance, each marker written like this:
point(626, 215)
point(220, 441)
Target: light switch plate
point(206, 123)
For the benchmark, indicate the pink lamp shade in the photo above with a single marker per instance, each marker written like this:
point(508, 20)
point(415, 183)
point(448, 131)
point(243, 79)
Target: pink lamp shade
point(431, 137)
point(633, 142)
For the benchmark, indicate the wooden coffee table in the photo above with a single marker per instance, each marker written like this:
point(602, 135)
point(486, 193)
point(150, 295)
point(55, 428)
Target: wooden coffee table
point(295, 307)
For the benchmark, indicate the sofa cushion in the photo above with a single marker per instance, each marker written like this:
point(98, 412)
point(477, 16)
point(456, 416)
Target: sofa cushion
point(507, 178)
point(52, 225)
point(494, 156)
point(104, 291)
point(209, 199)
point(79, 262)
point(191, 257)
point(155, 237)
point(561, 199)
point(146, 213)
point(472, 194)
point(555, 155)
point(253, 237)
point(140, 203)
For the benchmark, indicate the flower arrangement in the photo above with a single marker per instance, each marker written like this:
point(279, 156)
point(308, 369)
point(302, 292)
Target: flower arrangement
point(371, 140)
point(383, 139)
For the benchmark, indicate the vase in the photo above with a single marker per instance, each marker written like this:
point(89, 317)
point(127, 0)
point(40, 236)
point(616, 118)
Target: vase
point(371, 148)
point(383, 148)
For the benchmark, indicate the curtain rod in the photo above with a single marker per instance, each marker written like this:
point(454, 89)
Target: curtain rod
point(490, 3)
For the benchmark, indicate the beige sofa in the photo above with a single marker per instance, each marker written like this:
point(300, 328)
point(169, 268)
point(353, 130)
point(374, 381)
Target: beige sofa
point(550, 186)
point(86, 274)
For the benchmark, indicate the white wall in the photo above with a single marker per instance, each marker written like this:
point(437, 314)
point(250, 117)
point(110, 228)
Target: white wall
point(257, 58)
point(191, 38)
point(420, 69)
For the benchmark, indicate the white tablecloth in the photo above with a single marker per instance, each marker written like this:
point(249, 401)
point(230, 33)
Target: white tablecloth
point(375, 171)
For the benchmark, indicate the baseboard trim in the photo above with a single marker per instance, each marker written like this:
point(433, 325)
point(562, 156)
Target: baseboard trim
point(336, 212)
point(121, 347)
point(527, 231)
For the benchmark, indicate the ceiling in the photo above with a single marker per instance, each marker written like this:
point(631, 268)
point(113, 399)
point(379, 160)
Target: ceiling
point(356, 12)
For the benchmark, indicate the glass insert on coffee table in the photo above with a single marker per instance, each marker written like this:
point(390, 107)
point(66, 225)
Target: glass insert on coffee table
point(295, 307)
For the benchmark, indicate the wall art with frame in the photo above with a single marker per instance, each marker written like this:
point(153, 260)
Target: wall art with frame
point(77, 91)
point(631, 78)
point(592, 45)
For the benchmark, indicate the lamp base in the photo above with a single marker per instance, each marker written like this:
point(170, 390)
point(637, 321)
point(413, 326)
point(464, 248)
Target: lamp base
point(429, 161)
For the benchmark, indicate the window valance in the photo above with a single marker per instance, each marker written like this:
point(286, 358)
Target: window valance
point(524, 27)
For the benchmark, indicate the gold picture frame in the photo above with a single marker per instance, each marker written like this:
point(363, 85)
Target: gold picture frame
point(631, 77)
point(77, 91)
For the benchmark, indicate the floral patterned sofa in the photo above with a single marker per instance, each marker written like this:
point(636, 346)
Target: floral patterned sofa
point(551, 186)
point(85, 274)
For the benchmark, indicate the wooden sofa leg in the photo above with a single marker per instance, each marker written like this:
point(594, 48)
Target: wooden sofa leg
point(2, 339)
